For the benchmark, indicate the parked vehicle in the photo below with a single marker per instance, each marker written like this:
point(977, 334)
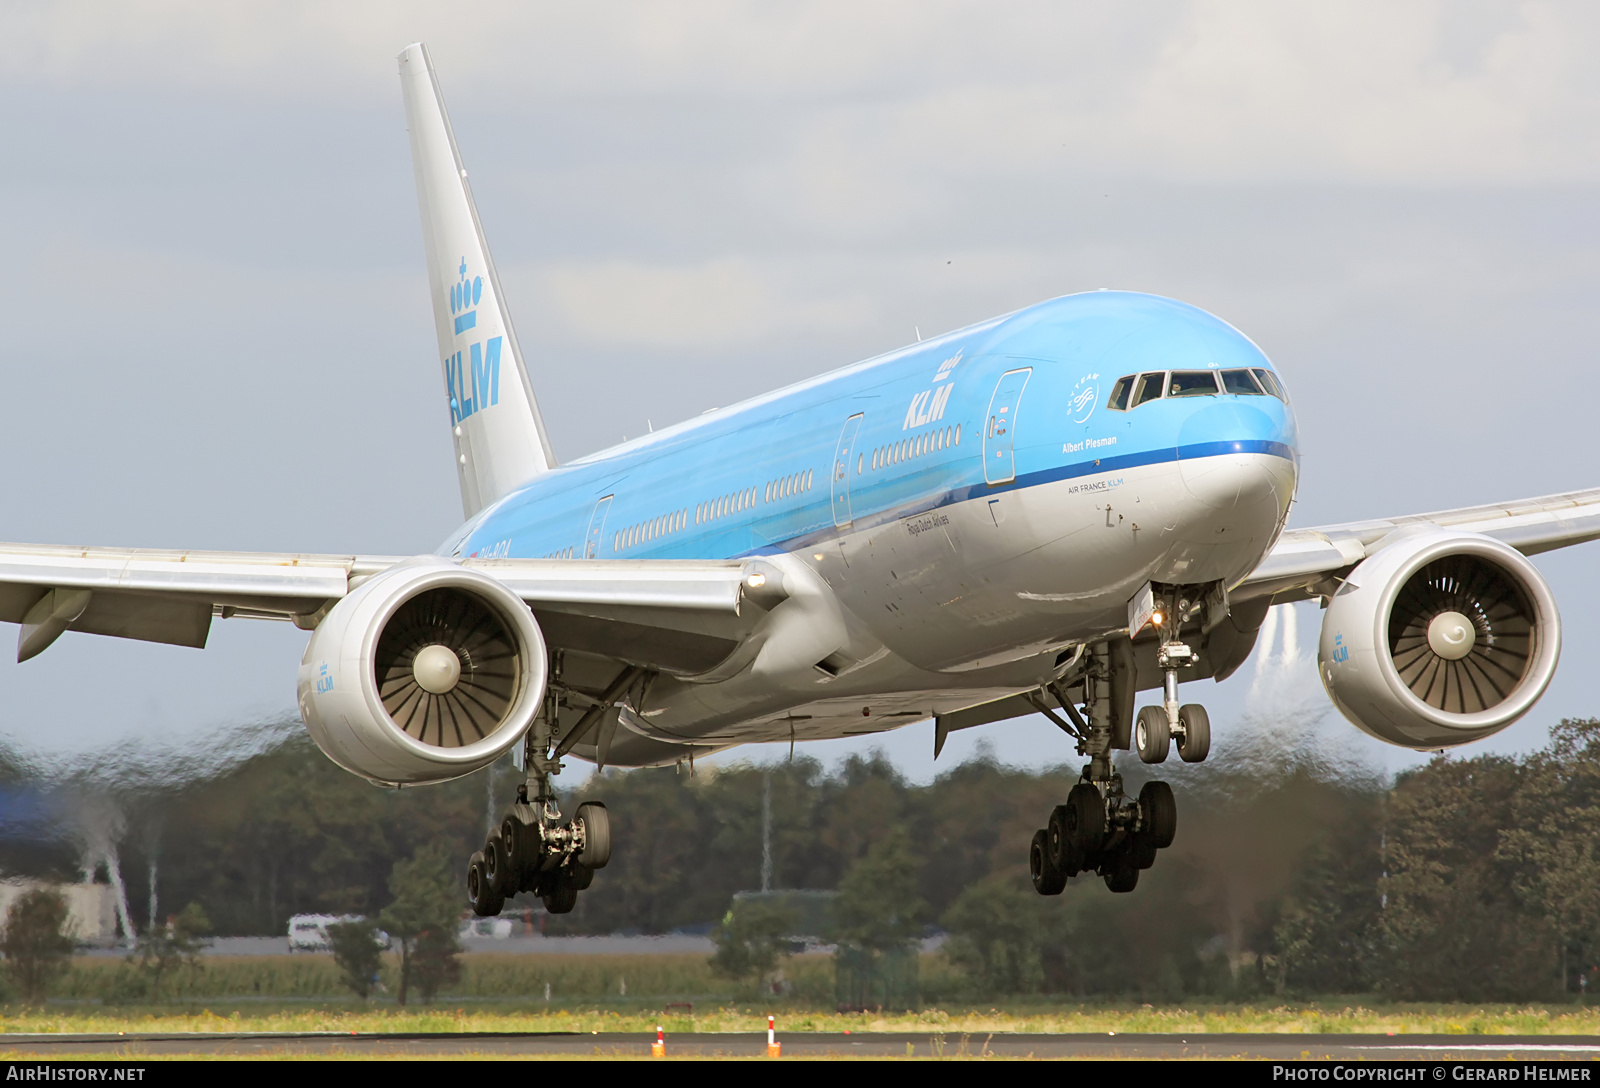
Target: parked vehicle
point(309, 932)
point(495, 928)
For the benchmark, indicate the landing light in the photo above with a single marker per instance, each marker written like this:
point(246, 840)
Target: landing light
point(756, 581)
point(1157, 618)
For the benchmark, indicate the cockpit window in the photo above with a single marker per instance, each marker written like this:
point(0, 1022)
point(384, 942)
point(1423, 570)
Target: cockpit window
point(1132, 390)
point(1240, 382)
point(1149, 388)
point(1193, 383)
point(1269, 382)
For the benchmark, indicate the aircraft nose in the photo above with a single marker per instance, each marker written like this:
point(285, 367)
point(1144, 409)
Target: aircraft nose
point(1232, 458)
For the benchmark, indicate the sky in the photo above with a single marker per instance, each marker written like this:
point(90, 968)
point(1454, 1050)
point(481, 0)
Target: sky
point(215, 325)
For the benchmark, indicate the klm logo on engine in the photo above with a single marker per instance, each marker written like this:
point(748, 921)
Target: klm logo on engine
point(1341, 652)
point(472, 378)
point(324, 681)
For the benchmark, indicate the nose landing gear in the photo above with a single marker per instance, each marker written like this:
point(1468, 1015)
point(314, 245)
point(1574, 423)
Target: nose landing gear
point(1188, 724)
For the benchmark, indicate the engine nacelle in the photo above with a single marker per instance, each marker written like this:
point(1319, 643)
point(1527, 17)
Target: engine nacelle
point(1439, 639)
point(424, 673)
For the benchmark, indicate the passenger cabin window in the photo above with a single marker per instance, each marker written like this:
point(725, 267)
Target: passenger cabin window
point(1149, 388)
point(1193, 383)
point(1119, 394)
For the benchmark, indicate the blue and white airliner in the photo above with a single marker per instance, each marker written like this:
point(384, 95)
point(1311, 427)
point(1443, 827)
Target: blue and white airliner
point(1045, 513)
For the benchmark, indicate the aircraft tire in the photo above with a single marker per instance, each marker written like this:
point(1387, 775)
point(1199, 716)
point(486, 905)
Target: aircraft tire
point(1048, 879)
point(597, 834)
point(1195, 744)
point(523, 845)
point(1123, 877)
point(1160, 811)
point(498, 865)
point(1060, 843)
point(485, 903)
point(1152, 735)
point(1087, 816)
point(563, 894)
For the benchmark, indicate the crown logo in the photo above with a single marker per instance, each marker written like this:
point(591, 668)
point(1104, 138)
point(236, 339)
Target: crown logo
point(464, 298)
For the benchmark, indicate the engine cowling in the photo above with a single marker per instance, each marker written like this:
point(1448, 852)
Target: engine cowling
point(424, 673)
point(1439, 639)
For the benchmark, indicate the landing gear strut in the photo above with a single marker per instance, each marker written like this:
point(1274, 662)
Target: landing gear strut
point(1099, 829)
point(534, 849)
point(1188, 724)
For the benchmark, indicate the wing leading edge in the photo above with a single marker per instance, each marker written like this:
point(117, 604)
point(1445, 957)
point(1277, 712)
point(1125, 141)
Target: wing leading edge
point(1307, 563)
point(682, 616)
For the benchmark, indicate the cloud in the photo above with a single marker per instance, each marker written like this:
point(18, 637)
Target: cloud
point(1422, 93)
point(714, 305)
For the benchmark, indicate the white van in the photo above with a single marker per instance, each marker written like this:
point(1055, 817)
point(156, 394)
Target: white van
point(493, 928)
point(309, 932)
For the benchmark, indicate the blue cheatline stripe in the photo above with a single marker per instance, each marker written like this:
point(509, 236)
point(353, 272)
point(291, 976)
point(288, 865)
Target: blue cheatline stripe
point(466, 321)
point(1033, 479)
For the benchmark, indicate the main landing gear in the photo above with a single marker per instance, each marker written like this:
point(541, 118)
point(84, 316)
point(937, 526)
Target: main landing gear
point(533, 849)
point(1100, 829)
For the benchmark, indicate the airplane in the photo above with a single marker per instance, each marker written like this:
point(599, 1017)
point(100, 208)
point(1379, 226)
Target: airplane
point(1049, 512)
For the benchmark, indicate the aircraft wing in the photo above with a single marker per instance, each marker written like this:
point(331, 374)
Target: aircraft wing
point(1306, 563)
point(681, 615)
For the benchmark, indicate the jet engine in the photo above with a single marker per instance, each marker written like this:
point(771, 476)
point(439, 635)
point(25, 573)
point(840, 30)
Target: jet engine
point(424, 673)
point(1439, 639)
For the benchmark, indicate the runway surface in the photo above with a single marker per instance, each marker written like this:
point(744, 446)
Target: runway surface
point(863, 1045)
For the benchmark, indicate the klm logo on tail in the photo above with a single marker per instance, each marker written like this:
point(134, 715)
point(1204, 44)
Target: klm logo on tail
point(464, 297)
point(476, 385)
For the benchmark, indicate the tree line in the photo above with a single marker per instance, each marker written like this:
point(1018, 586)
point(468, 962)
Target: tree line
point(1472, 878)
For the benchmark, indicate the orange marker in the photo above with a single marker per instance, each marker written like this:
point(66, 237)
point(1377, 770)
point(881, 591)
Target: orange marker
point(774, 1048)
point(658, 1049)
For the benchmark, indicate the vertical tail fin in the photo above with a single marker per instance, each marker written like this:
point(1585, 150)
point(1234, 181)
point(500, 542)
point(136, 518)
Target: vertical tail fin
point(500, 438)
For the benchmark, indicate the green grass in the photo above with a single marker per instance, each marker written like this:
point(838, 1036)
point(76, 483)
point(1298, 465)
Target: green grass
point(1096, 1018)
point(502, 992)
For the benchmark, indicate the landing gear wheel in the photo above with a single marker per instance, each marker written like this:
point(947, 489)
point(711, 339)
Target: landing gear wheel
point(1195, 743)
point(498, 867)
point(563, 893)
point(582, 877)
point(596, 823)
point(1060, 842)
point(485, 903)
point(1159, 810)
point(1123, 878)
point(1086, 812)
point(1142, 851)
point(1152, 735)
point(523, 844)
point(1048, 879)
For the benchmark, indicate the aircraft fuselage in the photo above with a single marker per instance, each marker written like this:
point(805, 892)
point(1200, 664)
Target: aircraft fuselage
point(973, 502)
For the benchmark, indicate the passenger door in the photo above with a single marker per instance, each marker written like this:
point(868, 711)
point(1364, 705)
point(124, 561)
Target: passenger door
point(999, 461)
point(841, 470)
point(597, 527)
